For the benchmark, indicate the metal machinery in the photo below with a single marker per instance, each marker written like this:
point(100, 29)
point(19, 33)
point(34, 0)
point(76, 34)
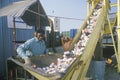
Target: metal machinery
point(78, 69)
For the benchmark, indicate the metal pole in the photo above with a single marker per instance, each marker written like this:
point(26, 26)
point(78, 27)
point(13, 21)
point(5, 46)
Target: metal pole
point(37, 16)
point(14, 35)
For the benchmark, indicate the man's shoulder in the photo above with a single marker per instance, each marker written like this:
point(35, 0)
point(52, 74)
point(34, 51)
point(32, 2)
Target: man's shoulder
point(31, 40)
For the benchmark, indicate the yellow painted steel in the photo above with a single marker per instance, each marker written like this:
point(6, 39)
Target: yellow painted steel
point(118, 12)
point(78, 69)
point(107, 44)
point(88, 8)
point(76, 38)
point(113, 5)
point(36, 75)
point(118, 33)
point(112, 37)
point(89, 51)
point(107, 29)
point(28, 69)
point(94, 3)
point(80, 72)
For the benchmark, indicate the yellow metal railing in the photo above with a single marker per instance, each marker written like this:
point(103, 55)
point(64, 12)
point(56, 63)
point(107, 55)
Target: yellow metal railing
point(83, 61)
point(107, 29)
point(118, 32)
point(76, 38)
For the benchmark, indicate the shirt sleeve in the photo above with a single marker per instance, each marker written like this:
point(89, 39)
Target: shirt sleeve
point(21, 50)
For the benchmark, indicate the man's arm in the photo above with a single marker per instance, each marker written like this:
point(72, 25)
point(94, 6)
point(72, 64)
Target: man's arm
point(21, 50)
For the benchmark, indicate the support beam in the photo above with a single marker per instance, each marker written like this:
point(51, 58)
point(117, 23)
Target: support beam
point(14, 35)
point(38, 17)
point(118, 32)
point(88, 8)
point(113, 5)
point(93, 4)
point(118, 13)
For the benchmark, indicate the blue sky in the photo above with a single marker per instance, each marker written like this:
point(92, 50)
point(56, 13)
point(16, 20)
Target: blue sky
point(67, 8)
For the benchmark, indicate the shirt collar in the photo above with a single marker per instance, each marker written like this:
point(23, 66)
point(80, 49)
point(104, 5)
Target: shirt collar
point(36, 39)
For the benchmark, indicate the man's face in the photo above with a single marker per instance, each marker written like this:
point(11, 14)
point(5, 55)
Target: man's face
point(39, 37)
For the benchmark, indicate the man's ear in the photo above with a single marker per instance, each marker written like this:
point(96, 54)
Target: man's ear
point(35, 34)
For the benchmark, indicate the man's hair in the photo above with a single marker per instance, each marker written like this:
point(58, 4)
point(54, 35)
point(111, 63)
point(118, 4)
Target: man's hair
point(39, 32)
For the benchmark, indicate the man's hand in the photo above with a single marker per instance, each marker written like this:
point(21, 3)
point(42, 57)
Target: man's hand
point(27, 61)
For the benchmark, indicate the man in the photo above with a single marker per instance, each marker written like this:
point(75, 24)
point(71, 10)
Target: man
point(34, 46)
point(66, 43)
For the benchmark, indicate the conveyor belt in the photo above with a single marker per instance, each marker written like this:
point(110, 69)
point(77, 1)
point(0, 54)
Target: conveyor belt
point(78, 69)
